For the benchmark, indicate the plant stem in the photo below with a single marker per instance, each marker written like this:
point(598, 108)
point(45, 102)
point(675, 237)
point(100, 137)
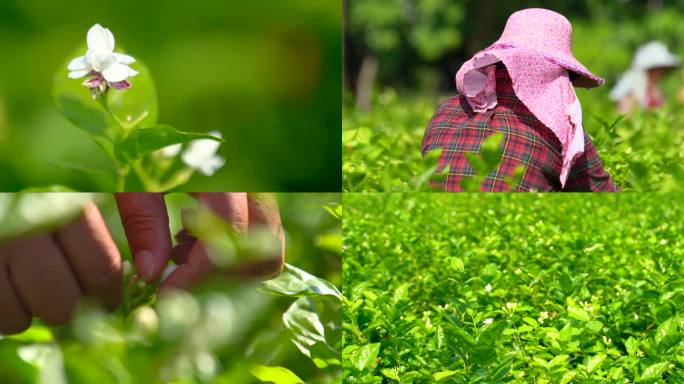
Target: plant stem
point(177, 179)
point(103, 102)
point(149, 184)
point(122, 172)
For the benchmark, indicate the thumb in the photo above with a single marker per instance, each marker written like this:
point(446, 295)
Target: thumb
point(146, 224)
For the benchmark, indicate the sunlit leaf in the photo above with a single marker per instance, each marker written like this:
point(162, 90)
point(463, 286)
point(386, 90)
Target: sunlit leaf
point(654, 372)
point(277, 375)
point(362, 357)
point(298, 283)
point(315, 328)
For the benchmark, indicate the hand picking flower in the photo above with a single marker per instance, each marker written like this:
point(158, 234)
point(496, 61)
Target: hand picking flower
point(104, 67)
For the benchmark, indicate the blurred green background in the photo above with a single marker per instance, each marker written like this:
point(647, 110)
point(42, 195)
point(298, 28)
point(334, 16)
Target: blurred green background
point(266, 74)
point(401, 58)
point(213, 336)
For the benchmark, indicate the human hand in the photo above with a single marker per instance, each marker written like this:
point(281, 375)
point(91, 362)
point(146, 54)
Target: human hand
point(146, 223)
point(46, 274)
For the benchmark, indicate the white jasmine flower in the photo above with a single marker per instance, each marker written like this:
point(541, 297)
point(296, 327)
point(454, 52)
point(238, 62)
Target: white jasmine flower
point(201, 155)
point(488, 288)
point(543, 316)
point(104, 67)
point(487, 321)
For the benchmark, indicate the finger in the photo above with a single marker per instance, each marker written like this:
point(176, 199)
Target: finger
point(230, 206)
point(15, 317)
point(43, 278)
point(146, 224)
point(197, 268)
point(264, 212)
point(93, 256)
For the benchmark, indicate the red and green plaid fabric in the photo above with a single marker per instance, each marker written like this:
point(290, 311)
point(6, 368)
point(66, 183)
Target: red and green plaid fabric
point(457, 129)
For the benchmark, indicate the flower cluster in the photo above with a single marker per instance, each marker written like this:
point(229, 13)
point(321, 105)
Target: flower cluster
point(104, 68)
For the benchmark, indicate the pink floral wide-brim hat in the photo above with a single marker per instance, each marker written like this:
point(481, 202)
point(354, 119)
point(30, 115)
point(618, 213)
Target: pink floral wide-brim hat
point(549, 34)
point(536, 49)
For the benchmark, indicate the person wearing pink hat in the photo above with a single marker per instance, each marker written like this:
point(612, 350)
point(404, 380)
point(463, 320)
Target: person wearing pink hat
point(522, 86)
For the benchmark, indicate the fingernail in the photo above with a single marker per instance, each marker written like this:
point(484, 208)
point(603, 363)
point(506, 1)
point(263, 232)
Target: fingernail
point(146, 264)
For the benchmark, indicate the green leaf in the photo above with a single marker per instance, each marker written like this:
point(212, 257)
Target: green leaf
point(456, 264)
point(532, 322)
point(400, 293)
point(567, 377)
point(632, 345)
point(559, 360)
point(36, 334)
point(298, 283)
point(667, 330)
point(277, 375)
point(443, 375)
point(314, 325)
point(390, 374)
point(578, 313)
point(654, 372)
point(594, 325)
point(143, 141)
point(616, 373)
point(595, 362)
point(105, 181)
point(135, 107)
point(362, 357)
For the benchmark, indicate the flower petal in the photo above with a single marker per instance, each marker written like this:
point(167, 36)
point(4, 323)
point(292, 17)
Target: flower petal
point(116, 72)
point(124, 59)
point(100, 61)
point(171, 150)
point(212, 165)
point(78, 64)
point(100, 39)
point(121, 85)
point(132, 72)
point(78, 74)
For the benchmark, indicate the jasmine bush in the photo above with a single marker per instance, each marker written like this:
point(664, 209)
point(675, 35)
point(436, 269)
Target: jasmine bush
point(382, 148)
point(521, 288)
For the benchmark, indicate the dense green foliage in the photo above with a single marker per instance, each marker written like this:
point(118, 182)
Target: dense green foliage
point(283, 331)
point(429, 27)
point(382, 149)
point(520, 288)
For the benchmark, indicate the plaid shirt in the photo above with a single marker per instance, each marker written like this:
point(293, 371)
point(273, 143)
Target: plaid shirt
point(457, 129)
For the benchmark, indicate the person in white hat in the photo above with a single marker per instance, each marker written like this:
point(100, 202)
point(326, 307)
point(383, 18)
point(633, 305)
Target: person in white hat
point(638, 87)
